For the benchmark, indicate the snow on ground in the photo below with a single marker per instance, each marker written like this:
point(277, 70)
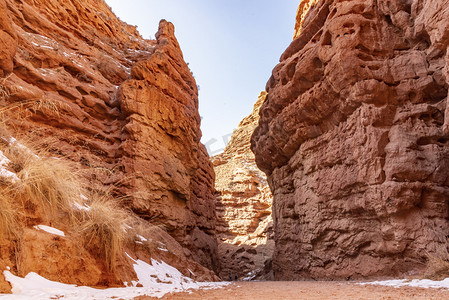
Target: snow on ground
point(157, 280)
point(49, 230)
point(423, 283)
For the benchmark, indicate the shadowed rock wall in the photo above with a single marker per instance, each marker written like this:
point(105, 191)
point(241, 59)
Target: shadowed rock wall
point(354, 138)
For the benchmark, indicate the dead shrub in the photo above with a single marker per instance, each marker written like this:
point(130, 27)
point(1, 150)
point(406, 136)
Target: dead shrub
point(102, 227)
point(438, 263)
point(49, 183)
point(9, 226)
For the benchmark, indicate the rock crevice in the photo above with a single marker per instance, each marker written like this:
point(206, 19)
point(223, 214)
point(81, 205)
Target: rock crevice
point(243, 203)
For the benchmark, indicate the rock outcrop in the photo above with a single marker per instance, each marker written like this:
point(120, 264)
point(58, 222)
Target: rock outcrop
point(243, 203)
point(354, 138)
point(86, 86)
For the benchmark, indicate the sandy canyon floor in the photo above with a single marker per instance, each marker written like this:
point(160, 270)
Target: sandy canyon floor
point(309, 290)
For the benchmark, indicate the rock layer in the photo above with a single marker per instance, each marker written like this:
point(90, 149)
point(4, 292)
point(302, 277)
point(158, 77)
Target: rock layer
point(80, 82)
point(354, 138)
point(243, 203)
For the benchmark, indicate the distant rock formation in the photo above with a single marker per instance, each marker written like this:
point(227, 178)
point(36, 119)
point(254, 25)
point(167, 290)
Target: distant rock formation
point(83, 84)
point(354, 138)
point(243, 203)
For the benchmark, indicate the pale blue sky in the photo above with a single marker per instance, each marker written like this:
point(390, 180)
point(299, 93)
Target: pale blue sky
point(231, 46)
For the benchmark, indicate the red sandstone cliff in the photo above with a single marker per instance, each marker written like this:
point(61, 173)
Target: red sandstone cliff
point(243, 203)
point(354, 138)
point(81, 83)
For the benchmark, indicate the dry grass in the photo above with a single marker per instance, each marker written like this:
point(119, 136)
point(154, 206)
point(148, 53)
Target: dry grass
point(48, 183)
point(47, 192)
point(103, 229)
point(155, 236)
point(438, 264)
point(13, 113)
point(47, 106)
point(4, 91)
point(9, 225)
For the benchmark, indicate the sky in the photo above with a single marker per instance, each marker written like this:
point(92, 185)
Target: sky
point(231, 47)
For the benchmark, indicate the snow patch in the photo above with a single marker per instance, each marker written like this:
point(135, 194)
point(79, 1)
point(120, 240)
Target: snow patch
point(164, 278)
point(422, 283)
point(250, 276)
point(49, 230)
point(141, 238)
point(84, 206)
point(4, 172)
point(81, 205)
point(156, 279)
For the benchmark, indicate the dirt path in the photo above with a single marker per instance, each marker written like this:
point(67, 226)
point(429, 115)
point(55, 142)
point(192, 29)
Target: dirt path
point(309, 290)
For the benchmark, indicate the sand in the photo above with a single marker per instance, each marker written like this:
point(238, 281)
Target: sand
point(309, 290)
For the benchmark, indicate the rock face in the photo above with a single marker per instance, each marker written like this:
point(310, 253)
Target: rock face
point(80, 82)
point(354, 138)
point(243, 203)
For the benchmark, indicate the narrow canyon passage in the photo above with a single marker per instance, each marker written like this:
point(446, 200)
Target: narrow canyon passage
point(243, 207)
point(339, 175)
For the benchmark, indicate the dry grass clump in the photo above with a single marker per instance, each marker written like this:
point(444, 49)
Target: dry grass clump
point(49, 182)
point(154, 238)
point(438, 264)
point(9, 225)
point(103, 228)
point(4, 92)
point(46, 105)
point(46, 187)
point(21, 109)
point(48, 191)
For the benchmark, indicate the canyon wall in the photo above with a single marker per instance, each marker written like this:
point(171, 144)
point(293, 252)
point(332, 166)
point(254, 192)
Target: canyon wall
point(86, 86)
point(243, 204)
point(354, 138)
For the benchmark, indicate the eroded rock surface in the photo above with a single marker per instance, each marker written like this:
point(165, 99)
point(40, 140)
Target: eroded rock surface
point(80, 82)
point(243, 203)
point(354, 138)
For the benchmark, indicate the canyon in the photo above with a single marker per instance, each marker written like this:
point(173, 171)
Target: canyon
point(338, 173)
point(243, 205)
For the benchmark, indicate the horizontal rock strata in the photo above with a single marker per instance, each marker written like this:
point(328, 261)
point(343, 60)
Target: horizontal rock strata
point(243, 203)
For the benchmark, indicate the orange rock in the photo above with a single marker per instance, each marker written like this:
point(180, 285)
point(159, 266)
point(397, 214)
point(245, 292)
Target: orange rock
point(80, 82)
point(173, 178)
point(353, 137)
point(244, 223)
point(57, 258)
point(8, 41)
